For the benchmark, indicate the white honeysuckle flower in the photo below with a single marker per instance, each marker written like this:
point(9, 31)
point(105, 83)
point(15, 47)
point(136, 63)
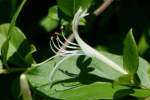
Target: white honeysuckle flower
point(88, 50)
point(76, 49)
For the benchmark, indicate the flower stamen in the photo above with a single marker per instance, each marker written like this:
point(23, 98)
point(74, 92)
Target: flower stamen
point(57, 46)
point(74, 44)
point(68, 46)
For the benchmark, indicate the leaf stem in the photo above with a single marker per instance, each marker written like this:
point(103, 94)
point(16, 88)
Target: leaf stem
point(13, 21)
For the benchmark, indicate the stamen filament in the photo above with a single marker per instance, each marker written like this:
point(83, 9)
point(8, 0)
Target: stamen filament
point(34, 65)
point(71, 47)
point(57, 48)
point(52, 47)
point(69, 41)
point(60, 49)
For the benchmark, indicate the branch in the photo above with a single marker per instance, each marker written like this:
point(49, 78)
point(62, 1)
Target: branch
point(102, 7)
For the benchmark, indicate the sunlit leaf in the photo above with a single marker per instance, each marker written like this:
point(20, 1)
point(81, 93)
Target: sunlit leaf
point(77, 82)
point(80, 77)
point(143, 73)
point(4, 51)
point(5, 45)
point(130, 54)
point(18, 46)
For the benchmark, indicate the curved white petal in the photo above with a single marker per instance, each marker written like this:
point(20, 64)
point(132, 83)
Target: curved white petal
point(88, 50)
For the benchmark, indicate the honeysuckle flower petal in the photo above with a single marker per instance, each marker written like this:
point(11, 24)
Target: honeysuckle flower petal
point(88, 50)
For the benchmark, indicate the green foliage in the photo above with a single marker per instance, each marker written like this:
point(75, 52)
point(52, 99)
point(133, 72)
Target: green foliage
point(142, 45)
point(5, 45)
point(77, 72)
point(18, 48)
point(69, 7)
point(142, 93)
point(130, 54)
point(51, 21)
point(77, 75)
point(84, 76)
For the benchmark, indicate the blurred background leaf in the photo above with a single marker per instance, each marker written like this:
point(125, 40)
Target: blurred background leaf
point(51, 21)
point(69, 7)
point(130, 54)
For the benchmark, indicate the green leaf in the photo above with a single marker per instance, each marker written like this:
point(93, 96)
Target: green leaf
point(5, 45)
point(18, 48)
point(128, 80)
point(51, 21)
point(4, 51)
point(81, 77)
point(29, 58)
point(49, 24)
point(53, 12)
point(86, 86)
point(69, 7)
point(93, 91)
point(142, 45)
point(143, 73)
point(141, 93)
point(130, 54)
